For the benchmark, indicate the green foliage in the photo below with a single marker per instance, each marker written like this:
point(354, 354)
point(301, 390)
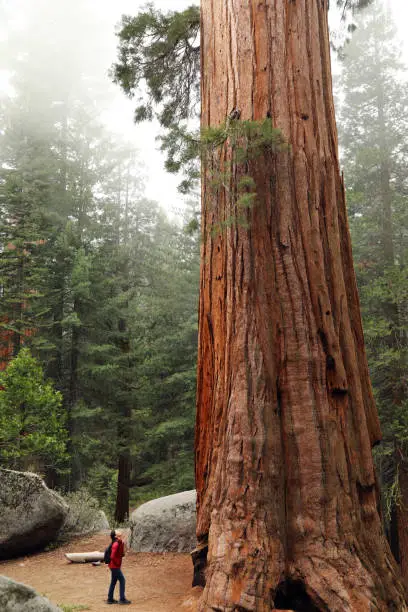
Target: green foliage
point(159, 62)
point(98, 283)
point(26, 189)
point(161, 50)
point(73, 607)
point(183, 152)
point(245, 142)
point(101, 481)
point(32, 427)
point(373, 135)
point(248, 139)
point(168, 371)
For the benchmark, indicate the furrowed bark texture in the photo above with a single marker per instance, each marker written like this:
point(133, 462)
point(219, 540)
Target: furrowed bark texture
point(286, 420)
point(402, 518)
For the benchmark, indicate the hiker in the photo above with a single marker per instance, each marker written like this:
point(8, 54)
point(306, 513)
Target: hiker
point(117, 552)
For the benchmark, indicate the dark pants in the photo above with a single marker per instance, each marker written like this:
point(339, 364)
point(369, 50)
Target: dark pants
point(117, 575)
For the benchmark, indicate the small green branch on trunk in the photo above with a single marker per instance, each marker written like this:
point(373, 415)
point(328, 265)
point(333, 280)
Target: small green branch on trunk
point(227, 152)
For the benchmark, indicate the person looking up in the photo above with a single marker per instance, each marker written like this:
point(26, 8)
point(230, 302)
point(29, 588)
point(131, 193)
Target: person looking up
point(115, 564)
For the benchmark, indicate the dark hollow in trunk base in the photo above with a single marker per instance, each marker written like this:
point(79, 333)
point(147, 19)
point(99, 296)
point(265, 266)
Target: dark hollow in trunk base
point(199, 559)
point(292, 595)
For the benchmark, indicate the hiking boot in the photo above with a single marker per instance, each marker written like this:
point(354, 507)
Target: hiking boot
point(111, 601)
point(124, 601)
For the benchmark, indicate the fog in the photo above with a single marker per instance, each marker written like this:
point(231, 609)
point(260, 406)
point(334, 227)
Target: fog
point(74, 41)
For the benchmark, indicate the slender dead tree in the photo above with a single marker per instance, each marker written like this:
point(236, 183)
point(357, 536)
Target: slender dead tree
point(287, 493)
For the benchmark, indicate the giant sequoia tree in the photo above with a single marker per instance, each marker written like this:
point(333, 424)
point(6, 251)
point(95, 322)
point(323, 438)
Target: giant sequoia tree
point(286, 420)
point(287, 495)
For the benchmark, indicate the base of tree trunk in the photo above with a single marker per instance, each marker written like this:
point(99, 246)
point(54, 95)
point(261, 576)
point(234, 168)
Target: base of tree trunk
point(402, 521)
point(199, 559)
point(323, 576)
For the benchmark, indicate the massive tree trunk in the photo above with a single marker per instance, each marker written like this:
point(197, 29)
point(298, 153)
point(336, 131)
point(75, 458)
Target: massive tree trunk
point(287, 494)
point(402, 517)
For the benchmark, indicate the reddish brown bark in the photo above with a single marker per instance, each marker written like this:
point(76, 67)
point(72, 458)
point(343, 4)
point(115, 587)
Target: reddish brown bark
point(402, 516)
point(6, 347)
point(286, 420)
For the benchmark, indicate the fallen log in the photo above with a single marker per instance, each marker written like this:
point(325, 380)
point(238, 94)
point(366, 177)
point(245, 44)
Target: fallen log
point(85, 557)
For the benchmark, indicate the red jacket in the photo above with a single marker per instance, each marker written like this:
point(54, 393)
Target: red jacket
point(117, 552)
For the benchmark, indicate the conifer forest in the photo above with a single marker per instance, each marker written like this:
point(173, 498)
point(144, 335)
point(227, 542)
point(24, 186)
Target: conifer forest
point(228, 315)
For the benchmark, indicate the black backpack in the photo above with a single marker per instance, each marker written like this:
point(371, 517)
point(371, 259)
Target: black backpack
point(107, 554)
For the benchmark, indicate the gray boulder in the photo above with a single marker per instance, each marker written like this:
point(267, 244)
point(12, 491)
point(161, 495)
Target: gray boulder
point(100, 522)
point(166, 524)
point(30, 513)
point(17, 597)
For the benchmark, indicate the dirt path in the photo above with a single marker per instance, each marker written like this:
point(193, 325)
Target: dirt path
point(154, 582)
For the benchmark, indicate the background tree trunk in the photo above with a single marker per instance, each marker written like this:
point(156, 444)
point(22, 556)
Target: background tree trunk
point(124, 436)
point(287, 494)
point(123, 486)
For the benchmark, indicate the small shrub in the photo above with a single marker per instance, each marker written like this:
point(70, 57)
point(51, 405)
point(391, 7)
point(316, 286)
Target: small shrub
point(84, 514)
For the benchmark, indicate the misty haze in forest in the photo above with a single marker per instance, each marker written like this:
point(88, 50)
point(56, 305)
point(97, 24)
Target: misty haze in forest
point(73, 46)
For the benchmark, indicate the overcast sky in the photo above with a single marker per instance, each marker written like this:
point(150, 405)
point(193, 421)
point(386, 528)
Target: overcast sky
point(119, 115)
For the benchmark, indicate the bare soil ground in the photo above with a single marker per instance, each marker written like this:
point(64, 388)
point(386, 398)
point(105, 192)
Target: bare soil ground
point(154, 582)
